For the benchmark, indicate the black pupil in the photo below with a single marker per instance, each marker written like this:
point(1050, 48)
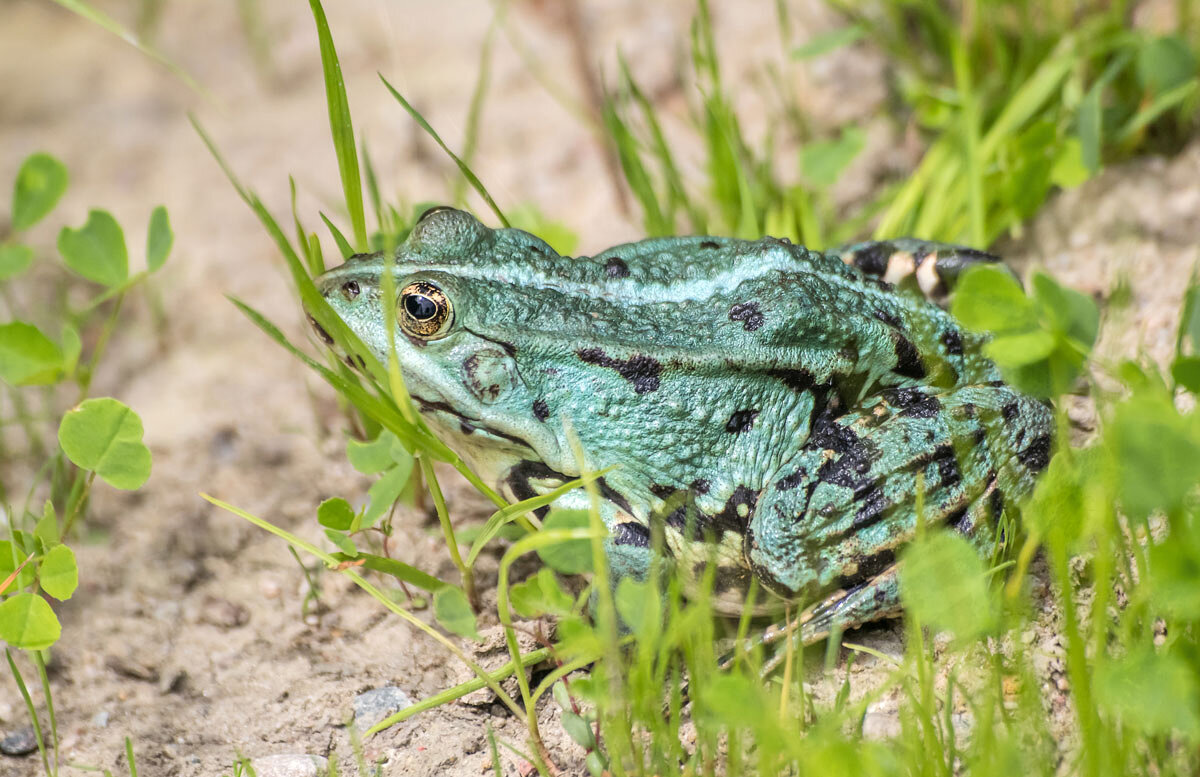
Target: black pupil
point(420, 307)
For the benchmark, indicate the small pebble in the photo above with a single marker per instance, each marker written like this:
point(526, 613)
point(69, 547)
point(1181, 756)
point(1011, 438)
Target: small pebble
point(270, 588)
point(290, 765)
point(19, 742)
point(100, 719)
point(376, 704)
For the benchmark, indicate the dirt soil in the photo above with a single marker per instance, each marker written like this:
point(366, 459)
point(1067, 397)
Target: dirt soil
point(187, 634)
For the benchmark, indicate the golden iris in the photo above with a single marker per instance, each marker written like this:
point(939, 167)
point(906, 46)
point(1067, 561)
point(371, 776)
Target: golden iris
point(425, 310)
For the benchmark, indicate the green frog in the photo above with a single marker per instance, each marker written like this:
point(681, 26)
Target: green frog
point(769, 409)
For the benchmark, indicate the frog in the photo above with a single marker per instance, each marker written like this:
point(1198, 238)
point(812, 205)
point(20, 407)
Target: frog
point(766, 417)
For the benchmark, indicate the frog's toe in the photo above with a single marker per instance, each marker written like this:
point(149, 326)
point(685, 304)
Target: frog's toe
point(873, 600)
point(934, 267)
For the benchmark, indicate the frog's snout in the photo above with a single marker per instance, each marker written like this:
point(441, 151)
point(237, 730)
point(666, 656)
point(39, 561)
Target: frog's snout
point(335, 290)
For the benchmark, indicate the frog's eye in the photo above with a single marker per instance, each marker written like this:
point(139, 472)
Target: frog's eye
point(425, 310)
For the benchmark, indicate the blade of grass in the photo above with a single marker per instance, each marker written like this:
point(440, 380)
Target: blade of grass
point(475, 110)
point(532, 658)
point(373, 191)
point(32, 710)
point(397, 569)
point(676, 192)
point(1158, 107)
point(105, 21)
point(130, 760)
point(44, 678)
point(637, 178)
point(311, 299)
point(315, 267)
point(345, 338)
point(519, 548)
point(400, 394)
point(1031, 96)
point(518, 509)
point(476, 184)
point(969, 126)
point(341, 127)
point(387, 416)
point(344, 247)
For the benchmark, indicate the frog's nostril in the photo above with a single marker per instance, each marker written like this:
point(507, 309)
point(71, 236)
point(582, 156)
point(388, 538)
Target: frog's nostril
point(320, 330)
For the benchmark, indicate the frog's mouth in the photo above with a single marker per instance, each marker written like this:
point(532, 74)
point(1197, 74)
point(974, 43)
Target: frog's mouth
point(502, 459)
point(352, 361)
point(320, 330)
point(466, 424)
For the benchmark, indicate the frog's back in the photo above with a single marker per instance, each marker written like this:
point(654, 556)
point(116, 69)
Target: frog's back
point(703, 295)
point(787, 296)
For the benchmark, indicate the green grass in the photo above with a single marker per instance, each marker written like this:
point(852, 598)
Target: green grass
point(1012, 103)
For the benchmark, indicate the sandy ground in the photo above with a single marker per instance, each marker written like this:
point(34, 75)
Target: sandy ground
point(186, 634)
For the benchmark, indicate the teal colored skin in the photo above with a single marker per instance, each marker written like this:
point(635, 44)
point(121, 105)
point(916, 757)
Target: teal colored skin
point(769, 409)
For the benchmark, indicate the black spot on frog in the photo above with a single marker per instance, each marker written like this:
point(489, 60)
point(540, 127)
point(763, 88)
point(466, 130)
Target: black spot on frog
point(797, 378)
point(740, 421)
point(642, 371)
point(888, 318)
point(1037, 455)
point(749, 314)
point(630, 533)
point(996, 503)
point(736, 513)
point(953, 342)
point(615, 267)
point(873, 505)
point(913, 402)
point(873, 260)
point(908, 358)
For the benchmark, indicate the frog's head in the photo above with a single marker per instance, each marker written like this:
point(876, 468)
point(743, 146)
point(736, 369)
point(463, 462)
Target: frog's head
point(454, 347)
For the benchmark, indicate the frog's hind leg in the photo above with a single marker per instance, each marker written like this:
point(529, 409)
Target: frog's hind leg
point(874, 599)
point(836, 518)
point(932, 267)
point(879, 597)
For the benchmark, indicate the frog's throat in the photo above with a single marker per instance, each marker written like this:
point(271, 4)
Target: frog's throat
point(492, 453)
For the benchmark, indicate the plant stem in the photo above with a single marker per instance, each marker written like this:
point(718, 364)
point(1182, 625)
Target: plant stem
point(40, 663)
point(33, 718)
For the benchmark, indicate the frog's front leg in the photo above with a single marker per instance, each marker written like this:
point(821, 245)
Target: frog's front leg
point(627, 546)
point(829, 527)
